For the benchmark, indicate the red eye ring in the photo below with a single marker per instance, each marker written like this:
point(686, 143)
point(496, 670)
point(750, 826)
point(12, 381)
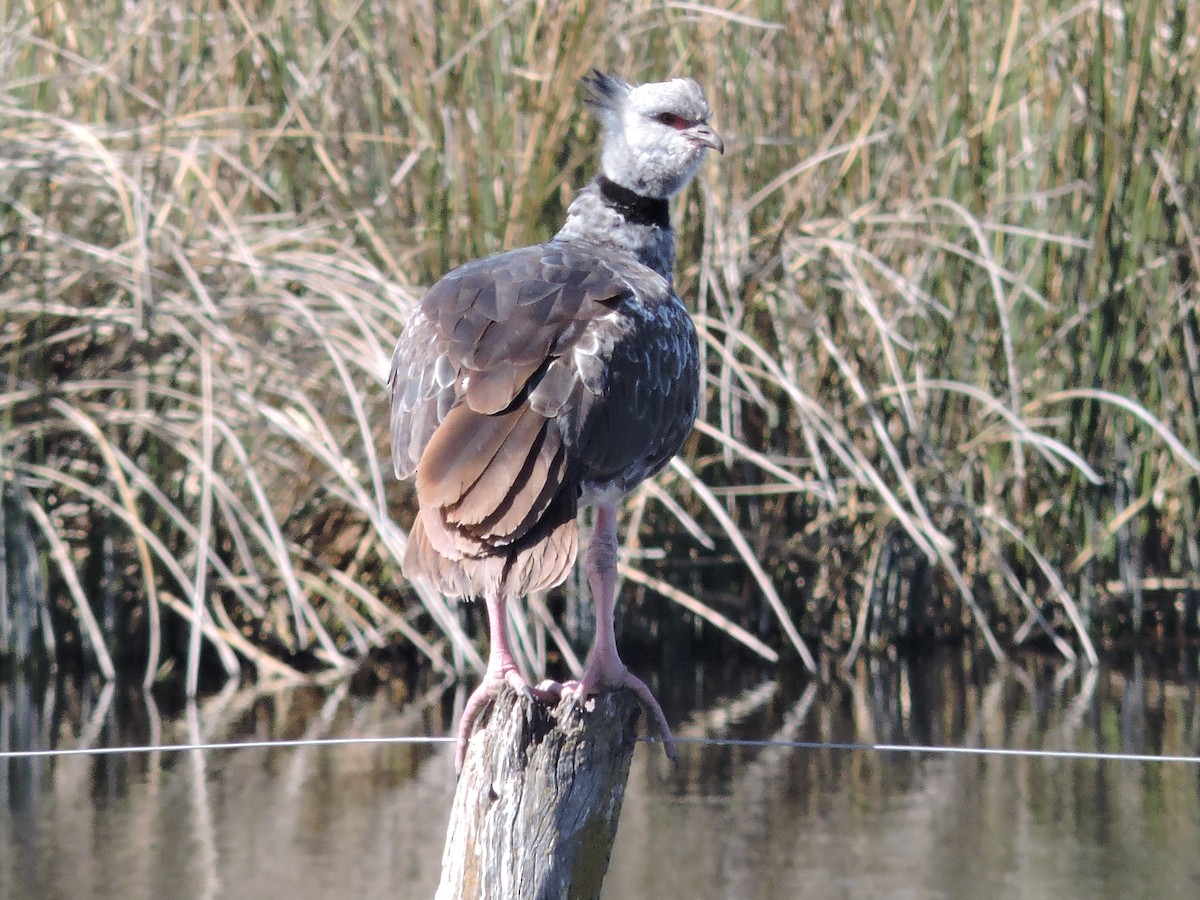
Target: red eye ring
point(672, 120)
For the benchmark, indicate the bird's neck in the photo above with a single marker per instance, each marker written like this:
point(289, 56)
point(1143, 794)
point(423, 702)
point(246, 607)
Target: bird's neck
point(636, 208)
point(612, 215)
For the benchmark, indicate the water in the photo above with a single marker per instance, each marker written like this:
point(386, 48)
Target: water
point(368, 820)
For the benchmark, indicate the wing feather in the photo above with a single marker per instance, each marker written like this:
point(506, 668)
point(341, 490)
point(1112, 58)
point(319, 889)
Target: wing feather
point(503, 404)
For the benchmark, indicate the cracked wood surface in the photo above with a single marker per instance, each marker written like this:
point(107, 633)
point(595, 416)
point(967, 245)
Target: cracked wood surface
point(536, 809)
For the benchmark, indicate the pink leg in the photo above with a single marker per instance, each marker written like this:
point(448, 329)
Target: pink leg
point(604, 668)
point(501, 670)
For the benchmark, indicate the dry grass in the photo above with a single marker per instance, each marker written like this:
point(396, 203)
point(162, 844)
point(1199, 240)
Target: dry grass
point(946, 277)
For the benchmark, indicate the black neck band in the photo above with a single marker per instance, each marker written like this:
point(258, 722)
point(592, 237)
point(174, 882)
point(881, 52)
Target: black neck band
point(636, 209)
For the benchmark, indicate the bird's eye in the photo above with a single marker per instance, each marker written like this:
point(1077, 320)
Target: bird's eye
point(672, 120)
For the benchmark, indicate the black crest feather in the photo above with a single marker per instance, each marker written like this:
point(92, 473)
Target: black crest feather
point(604, 91)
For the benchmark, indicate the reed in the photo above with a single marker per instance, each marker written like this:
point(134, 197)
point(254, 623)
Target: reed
point(945, 277)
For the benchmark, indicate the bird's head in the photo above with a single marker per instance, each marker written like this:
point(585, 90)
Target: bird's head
point(656, 134)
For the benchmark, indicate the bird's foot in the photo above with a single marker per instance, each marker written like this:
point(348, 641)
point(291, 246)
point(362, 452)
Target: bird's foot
point(489, 688)
point(609, 677)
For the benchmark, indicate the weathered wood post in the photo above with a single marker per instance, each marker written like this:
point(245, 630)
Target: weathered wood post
point(536, 808)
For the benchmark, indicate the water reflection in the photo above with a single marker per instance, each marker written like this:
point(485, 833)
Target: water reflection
point(367, 820)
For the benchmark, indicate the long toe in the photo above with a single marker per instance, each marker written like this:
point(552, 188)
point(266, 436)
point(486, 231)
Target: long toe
point(653, 710)
point(476, 703)
point(609, 674)
point(618, 676)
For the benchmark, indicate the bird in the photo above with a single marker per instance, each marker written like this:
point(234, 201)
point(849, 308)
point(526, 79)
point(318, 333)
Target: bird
point(536, 382)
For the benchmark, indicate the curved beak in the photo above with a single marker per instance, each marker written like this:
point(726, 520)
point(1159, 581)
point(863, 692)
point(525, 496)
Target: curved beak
point(704, 135)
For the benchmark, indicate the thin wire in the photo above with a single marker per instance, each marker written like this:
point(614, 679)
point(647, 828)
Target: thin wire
point(222, 745)
point(935, 749)
point(928, 749)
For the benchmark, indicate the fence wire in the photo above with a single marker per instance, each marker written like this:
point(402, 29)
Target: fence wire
point(765, 744)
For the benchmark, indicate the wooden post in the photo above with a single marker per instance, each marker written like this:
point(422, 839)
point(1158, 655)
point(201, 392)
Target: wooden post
point(536, 808)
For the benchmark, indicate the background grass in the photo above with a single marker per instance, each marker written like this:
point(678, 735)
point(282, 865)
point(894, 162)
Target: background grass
point(946, 277)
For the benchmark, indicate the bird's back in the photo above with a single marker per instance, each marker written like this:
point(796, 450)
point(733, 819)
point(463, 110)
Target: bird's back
point(522, 384)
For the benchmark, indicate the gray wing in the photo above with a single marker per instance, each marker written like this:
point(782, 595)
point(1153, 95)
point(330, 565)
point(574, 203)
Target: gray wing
point(534, 325)
point(500, 383)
